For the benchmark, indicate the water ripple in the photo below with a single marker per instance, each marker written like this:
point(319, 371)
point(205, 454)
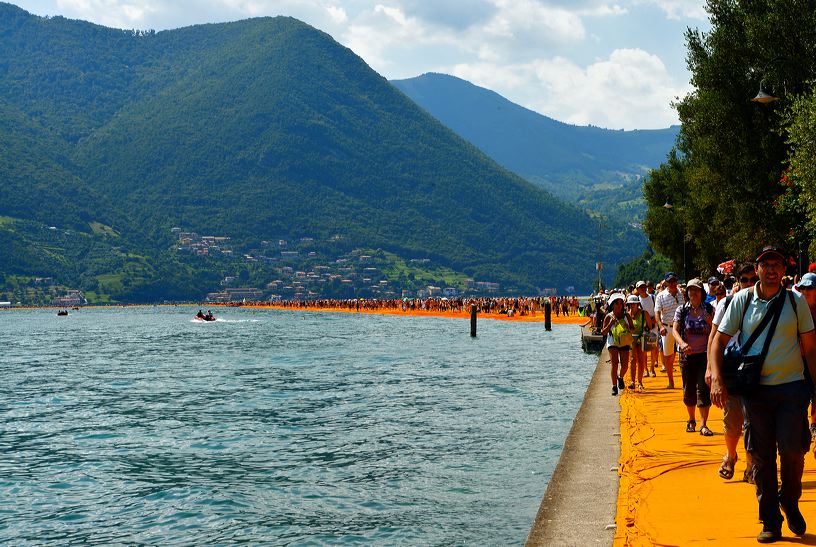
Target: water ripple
point(140, 426)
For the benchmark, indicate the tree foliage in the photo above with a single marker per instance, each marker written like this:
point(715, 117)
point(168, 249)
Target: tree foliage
point(260, 129)
point(724, 179)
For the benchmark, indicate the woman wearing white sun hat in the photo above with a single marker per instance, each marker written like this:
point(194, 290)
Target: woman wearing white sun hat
point(618, 328)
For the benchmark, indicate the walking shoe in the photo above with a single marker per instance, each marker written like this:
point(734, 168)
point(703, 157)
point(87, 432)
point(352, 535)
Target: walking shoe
point(769, 535)
point(614, 390)
point(641, 388)
point(631, 385)
point(662, 369)
point(621, 383)
point(653, 373)
point(796, 522)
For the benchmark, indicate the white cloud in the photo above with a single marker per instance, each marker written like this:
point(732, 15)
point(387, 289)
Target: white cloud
point(337, 14)
point(112, 13)
point(534, 23)
point(631, 89)
point(680, 9)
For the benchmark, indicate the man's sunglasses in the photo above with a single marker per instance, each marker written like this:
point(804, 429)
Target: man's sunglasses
point(749, 279)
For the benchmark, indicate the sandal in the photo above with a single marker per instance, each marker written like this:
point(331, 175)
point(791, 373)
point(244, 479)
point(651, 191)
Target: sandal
point(691, 425)
point(726, 470)
point(706, 432)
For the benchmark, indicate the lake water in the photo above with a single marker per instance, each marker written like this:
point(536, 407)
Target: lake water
point(279, 427)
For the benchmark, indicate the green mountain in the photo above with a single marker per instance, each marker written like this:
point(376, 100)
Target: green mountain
point(261, 131)
point(600, 169)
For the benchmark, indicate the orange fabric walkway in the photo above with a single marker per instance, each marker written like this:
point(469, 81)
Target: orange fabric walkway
point(538, 317)
point(670, 493)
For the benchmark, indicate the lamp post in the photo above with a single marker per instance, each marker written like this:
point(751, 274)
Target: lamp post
point(668, 206)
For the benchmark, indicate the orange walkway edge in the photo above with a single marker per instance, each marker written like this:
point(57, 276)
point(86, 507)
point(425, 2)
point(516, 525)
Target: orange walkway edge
point(670, 492)
point(538, 317)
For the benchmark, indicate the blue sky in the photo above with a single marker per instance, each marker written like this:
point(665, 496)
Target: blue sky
point(611, 64)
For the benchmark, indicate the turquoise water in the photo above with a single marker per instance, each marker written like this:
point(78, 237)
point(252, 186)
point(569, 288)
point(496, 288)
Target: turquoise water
point(279, 427)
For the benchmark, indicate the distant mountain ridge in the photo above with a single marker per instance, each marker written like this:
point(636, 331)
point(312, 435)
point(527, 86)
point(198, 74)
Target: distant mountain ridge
point(261, 130)
point(594, 167)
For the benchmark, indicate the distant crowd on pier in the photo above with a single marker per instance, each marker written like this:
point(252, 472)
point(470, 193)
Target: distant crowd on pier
point(521, 306)
point(746, 343)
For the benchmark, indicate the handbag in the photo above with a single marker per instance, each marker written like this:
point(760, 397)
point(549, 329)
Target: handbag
point(742, 373)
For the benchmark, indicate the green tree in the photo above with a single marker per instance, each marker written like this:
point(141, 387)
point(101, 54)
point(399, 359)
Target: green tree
point(800, 192)
point(724, 178)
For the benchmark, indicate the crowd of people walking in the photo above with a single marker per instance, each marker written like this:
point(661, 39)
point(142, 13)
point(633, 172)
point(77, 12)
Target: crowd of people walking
point(744, 343)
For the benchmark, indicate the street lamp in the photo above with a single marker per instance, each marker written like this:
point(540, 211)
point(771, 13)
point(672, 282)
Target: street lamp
point(763, 96)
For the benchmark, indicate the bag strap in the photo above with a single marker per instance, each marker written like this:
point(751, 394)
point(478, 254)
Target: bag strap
point(684, 311)
point(776, 314)
point(765, 320)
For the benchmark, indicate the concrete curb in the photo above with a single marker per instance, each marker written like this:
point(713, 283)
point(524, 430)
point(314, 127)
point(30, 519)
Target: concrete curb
point(580, 503)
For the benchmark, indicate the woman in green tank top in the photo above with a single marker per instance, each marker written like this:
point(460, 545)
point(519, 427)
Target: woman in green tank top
point(641, 324)
point(617, 328)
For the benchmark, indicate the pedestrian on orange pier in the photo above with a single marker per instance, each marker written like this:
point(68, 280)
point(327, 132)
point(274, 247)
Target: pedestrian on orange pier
point(666, 303)
point(733, 415)
point(692, 325)
point(617, 328)
point(776, 399)
point(642, 324)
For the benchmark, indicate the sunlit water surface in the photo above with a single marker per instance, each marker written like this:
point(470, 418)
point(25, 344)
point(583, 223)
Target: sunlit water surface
point(279, 427)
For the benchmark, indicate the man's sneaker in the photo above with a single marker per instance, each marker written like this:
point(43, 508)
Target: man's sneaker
point(631, 385)
point(796, 522)
point(621, 383)
point(614, 390)
point(769, 534)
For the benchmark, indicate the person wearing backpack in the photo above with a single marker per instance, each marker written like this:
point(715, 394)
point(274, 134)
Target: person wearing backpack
point(776, 406)
point(692, 325)
point(647, 303)
point(642, 324)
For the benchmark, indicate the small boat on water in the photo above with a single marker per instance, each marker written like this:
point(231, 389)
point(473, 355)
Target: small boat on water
point(200, 316)
point(61, 313)
point(592, 341)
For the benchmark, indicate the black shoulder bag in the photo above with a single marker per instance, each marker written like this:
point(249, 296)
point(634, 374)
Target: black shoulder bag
point(741, 372)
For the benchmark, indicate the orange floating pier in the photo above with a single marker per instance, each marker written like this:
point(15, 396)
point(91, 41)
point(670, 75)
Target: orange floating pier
point(670, 492)
point(465, 314)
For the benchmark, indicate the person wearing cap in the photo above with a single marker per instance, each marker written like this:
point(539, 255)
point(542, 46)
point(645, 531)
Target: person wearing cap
point(713, 286)
point(666, 304)
point(776, 410)
point(642, 324)
point(618, 328)
point(692, 325)
point(733, 416)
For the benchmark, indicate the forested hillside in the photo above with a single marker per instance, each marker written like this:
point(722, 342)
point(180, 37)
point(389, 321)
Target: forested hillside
point(263, 130)
point(600, 169)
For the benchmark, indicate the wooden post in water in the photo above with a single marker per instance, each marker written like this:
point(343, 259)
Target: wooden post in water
point(473, 320)
point(547, 315)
